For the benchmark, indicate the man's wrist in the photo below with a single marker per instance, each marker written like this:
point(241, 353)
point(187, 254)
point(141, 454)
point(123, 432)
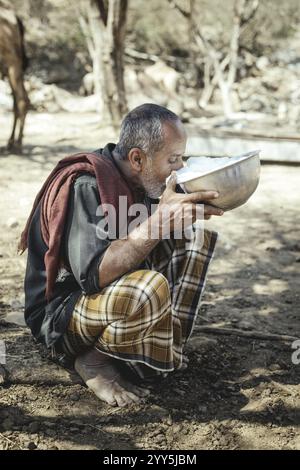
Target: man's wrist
point(149, 232)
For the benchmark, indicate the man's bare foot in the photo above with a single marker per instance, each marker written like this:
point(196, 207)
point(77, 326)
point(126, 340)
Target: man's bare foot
point(100, 375)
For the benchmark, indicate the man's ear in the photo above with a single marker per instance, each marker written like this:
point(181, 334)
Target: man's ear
point(137, 159)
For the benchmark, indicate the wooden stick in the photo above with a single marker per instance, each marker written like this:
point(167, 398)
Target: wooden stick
point(248, 334)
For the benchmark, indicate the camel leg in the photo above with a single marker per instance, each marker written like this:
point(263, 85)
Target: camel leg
point(22, 111)
point(11, 140)
point(21, 104)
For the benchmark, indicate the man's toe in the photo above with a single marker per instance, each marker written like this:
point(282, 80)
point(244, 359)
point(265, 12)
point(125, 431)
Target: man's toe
point(121, 402)
point(133, 397)
point(141, 392)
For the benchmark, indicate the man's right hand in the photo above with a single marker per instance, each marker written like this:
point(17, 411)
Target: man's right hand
point(175, 207)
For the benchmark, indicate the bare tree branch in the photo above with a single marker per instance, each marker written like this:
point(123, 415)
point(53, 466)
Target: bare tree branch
point(224, 81)
point(84, 26)
point(186, 14)
point(254, 7)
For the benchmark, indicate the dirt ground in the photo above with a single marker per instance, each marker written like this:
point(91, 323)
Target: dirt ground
point(238, 392)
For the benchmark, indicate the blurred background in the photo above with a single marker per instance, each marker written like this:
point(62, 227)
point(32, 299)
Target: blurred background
point(228, 68)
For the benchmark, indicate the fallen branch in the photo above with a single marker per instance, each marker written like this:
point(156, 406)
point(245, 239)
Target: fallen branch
point(247, 334)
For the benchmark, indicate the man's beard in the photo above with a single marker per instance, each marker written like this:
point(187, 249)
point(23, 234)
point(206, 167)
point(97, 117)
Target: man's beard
point(153, 188)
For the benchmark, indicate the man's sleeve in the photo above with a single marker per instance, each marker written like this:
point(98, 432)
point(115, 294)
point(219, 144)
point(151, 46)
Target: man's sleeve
point(84, 250)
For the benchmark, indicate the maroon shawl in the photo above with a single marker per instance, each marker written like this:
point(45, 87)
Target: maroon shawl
point(54, 197)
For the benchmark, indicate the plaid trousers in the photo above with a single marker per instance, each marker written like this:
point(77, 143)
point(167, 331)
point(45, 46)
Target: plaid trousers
point(145, 317)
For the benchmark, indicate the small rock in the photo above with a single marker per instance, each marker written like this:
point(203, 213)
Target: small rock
point(200, 343)
point(274, 367)
point(176, 428)
point(262, 63)
point(245, 325)
point(32, 398)
point(159, 439)
point(12, 223)
point(169, 421)
point(156, 432)
point(31, 445)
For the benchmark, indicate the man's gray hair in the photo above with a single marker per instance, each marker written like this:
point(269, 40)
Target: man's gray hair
point(143, 128)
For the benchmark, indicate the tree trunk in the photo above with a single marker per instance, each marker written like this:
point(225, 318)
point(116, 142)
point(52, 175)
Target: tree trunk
point(239, 12)
point(107, 22)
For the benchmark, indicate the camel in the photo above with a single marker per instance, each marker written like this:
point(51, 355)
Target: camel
point(13, 63)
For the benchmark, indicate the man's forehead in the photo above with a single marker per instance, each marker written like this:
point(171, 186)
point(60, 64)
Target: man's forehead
point(173, 129)
point(174, 138)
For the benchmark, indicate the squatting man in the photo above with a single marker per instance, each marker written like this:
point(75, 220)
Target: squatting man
point(120, 309)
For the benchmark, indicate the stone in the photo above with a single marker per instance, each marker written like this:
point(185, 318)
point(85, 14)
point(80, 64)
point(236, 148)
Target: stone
point(200, 343)
point(12, 223)
point(245, 325)
point(169, 421)
point(262, 63)
point(31, 445)
point(159, 439)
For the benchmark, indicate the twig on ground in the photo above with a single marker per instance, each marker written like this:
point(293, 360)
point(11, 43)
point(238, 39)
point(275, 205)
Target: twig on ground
point(248, 334)
point(10, 441)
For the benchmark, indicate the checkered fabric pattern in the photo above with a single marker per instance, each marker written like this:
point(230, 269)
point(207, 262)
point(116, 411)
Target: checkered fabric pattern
point(146, 317)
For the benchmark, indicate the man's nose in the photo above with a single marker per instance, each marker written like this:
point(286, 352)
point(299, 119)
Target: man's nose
point(180, 164)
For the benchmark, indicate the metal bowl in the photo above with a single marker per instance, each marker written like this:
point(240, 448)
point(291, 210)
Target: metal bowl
point(235, 180)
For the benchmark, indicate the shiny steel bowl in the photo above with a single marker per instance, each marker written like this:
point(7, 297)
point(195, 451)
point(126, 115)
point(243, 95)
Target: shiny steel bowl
point(235, 180)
